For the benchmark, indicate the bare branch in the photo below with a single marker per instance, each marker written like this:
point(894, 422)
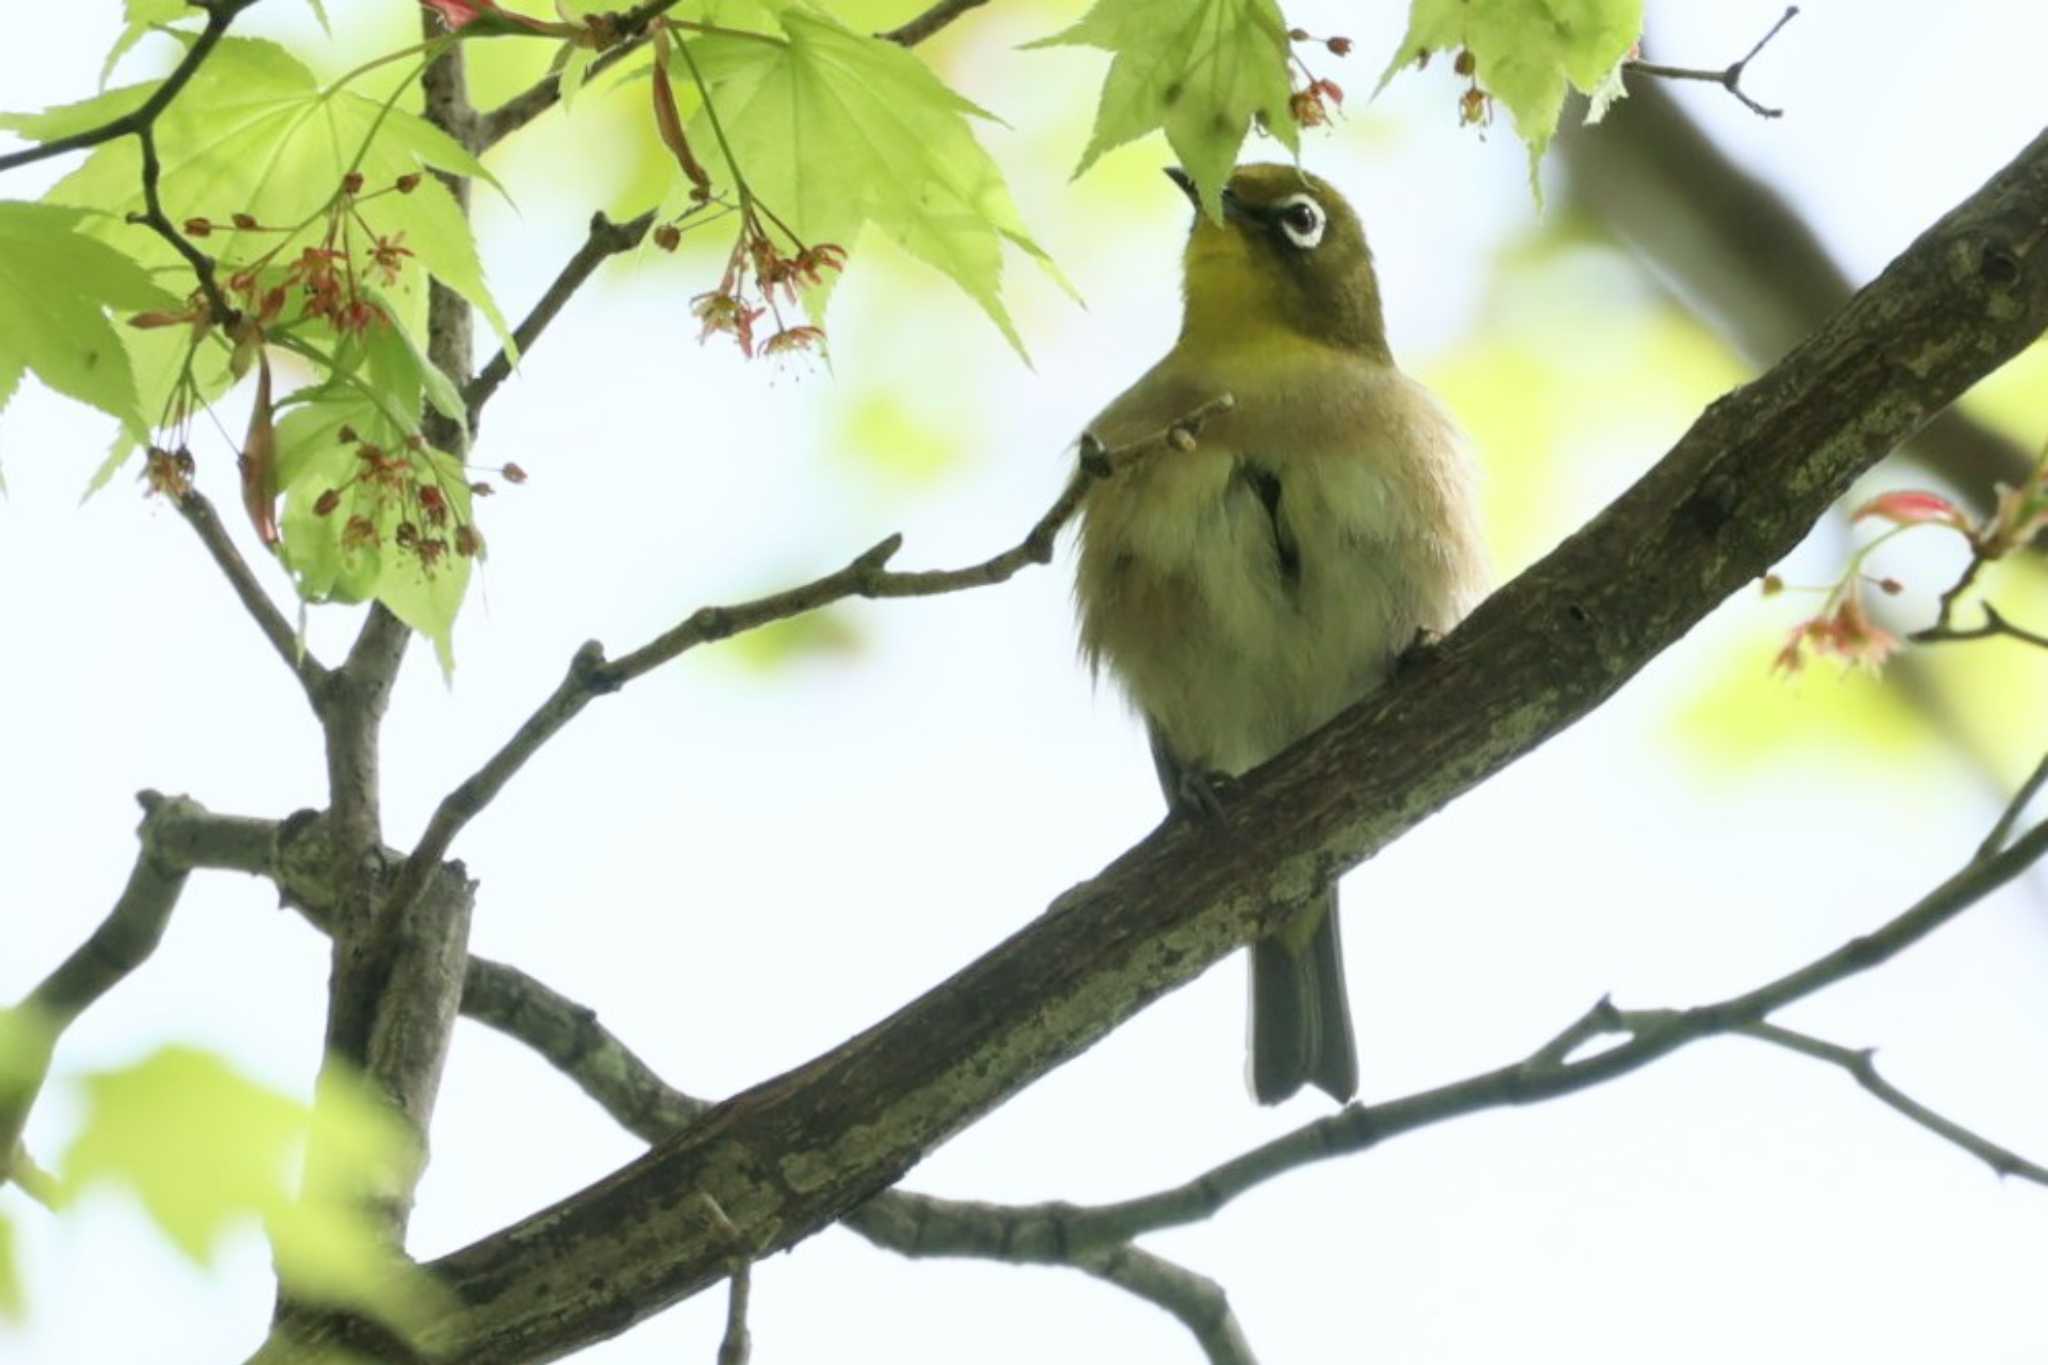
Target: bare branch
point(1196, 1300)
point(219, 15)
point(607, 239)
point(630, 33)
point(200, 516)
point(530, 103)
point(930, 22)
point(737, 1346)
point(2014, 809)
point(123, 941)
point(1860, 1063)
point(589, 676)
point(1729, 77)
point(157, 221)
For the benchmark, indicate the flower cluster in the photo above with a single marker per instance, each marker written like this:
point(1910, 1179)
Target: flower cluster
point(1475, 106)
point(1311, 104)
point(760, 278)
point(1843, 628)
point(389, 481)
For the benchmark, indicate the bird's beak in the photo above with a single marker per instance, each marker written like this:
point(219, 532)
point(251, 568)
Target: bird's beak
point(1233, 207)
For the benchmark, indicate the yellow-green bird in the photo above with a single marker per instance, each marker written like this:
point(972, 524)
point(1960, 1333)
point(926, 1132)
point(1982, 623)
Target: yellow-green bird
point(1245, 590)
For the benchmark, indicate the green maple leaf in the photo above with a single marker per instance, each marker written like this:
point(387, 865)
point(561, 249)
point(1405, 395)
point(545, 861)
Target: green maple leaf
point(1202, 70)
point(834, 129)
point(1526, 52)
point(56, 285)
point(329, 564)
point(205, 1149)
point(255, 133)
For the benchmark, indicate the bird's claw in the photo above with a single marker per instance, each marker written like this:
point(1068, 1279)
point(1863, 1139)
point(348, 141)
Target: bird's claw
point(1417, 651)
point(1202, 792)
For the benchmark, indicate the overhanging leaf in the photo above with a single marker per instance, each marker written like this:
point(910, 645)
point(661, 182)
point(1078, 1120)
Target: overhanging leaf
point(1202, 70)
point(1526, 52)
point(55, 287)
point(833, 129)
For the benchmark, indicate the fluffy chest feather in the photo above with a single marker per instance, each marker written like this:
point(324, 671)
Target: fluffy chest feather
point(1243, 592)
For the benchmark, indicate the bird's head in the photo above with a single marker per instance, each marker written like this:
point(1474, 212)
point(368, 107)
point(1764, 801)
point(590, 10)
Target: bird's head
point(1288, 258)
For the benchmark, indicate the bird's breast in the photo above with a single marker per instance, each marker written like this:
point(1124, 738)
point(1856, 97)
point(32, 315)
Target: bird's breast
point(1244, 591)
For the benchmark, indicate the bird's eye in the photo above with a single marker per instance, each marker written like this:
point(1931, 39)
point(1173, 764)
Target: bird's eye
point(1301, 218)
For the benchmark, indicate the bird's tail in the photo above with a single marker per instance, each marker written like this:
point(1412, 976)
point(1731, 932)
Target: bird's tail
point(1301, 1013)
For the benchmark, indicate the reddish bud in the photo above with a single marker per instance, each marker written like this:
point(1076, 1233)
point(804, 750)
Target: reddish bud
point(1299, 35)
point(198, 227)
point(352, 183)
point(668, 236)
point(481, 489)
point(1466, 63)
point(1339, 47)
point(468, 543)
point(1890, 587)
point(406, 534)
point(1910, 507)
point(327, 502)
point(513, 473)
point(408, 182)
point(245, 221)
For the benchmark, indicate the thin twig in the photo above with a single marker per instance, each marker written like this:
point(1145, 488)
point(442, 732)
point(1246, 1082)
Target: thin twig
point(122, 942)
point(155, 219)
point(530, 103)
point(606, 239)
point(1993, 625)
point(589, 676)
point(1198, 1302)
point(630, 35)
point(2014, 808)
point(1729, 77)
point(736, 1347)
point(929, 22)
point(219, 14)
point(200, 516)
point(1861, 1064)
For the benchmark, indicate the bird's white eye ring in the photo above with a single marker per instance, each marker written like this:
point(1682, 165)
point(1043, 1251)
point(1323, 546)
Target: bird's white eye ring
point(1301, 218)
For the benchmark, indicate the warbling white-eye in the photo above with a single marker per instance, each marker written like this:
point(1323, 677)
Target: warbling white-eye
point(1244, 590)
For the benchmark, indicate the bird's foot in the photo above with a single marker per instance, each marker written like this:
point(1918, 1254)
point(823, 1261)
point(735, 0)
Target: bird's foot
point(1418, 650)
point(1202, 792)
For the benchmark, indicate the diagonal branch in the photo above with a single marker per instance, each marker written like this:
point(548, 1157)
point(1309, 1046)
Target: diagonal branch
point(607, 239)
point(219, 15)
point(930, 22)
point(590, 677)
point(199, 515)
point(631, 29)
point(1860, 1063)
point(123, 941)
point(1729, 78)
point(1735, 494)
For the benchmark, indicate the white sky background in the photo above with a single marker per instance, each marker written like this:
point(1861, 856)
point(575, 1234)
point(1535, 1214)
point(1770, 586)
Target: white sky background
point(740, 869)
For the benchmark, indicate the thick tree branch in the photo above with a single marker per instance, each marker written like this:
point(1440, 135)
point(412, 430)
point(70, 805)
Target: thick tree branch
point(607, 239)
point(199, 515)
point(1736, 493)
point(219, 15)
point(122, 942)
point(569, 1037)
